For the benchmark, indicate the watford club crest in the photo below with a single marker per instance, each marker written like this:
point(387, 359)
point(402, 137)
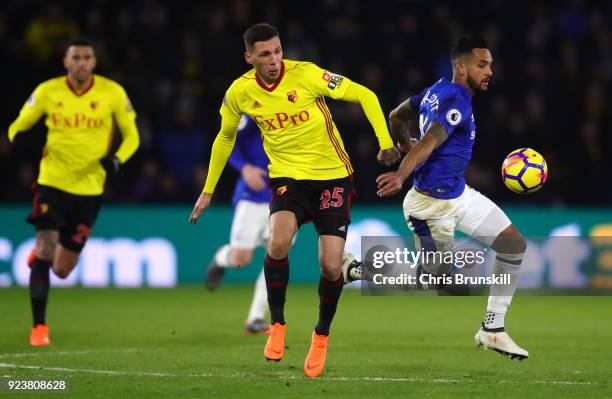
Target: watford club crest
point(281, 190)
point(292, 96)
point(93, 105)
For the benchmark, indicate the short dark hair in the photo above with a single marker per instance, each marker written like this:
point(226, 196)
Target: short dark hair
point(80, 41)
point(466, 43)
point(258, 33)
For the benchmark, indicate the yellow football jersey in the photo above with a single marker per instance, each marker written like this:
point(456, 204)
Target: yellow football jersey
point(299, 134)
point(80, 128)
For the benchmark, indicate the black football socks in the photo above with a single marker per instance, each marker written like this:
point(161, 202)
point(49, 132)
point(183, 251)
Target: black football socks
point(329, 295)
point(277, 278)
point(39, 289)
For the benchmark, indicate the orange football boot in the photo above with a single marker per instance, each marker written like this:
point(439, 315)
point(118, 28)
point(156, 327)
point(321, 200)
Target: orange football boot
point(40, 335)
point(315, 360)
point(275, 346)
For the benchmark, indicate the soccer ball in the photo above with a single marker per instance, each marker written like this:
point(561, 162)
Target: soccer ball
point(524, 171)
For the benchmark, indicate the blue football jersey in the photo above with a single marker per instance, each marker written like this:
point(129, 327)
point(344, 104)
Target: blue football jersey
point(249, 150)
point(441, 175)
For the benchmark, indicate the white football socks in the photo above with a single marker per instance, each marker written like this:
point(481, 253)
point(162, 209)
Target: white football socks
point(500, 295)
point(259, 305)
point(222, 257)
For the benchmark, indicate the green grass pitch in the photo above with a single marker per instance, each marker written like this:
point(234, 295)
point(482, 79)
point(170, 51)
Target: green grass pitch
point(186, 342)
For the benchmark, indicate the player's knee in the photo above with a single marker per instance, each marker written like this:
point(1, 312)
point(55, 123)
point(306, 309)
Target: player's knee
point(278, 248)
point(326, 264)
point(283, 227)
point(62, 271)
point(64, 262)
point(521, 244)
point(331, 267)
point(63, 267)
point(279, 243)
point(510, 241)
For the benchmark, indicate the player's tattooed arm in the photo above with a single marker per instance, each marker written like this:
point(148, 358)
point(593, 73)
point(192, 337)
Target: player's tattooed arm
point(438, 130)
point(391, 183)
point(400, 121)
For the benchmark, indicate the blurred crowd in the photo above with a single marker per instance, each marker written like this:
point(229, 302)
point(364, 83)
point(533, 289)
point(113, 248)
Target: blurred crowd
point(550, 89)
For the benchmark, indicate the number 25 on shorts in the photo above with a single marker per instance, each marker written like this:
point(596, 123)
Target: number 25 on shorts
point(334, 199)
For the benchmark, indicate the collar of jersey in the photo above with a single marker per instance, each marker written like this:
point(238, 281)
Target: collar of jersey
point(72, 89)
point(463, 89)
point(267, 88)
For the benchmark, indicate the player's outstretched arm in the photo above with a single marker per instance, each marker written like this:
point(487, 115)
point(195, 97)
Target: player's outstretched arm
point(30, 113)
point(221, 150)
point(355, 92)
point(391, 183)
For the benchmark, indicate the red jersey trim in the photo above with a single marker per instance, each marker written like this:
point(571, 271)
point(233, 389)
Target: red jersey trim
point(275, 85)
point(73, 90)
point(330, 132)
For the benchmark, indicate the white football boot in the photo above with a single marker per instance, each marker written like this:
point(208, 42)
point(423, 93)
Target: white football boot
point(352, 269)
point(500, 342)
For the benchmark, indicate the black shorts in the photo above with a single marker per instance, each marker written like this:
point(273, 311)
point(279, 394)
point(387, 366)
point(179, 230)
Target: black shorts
point(326, 203)
point(72, 215)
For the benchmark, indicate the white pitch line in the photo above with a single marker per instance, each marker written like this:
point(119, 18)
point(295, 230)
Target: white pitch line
point(111, 372)
point(67, 353)
point(449, 381)
point(294, 377)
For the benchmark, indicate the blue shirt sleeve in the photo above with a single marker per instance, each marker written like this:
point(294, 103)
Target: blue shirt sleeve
point(453, 112)
point(415, 101)
point(237, 158)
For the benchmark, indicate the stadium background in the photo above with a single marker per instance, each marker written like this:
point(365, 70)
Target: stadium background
point(553, 72)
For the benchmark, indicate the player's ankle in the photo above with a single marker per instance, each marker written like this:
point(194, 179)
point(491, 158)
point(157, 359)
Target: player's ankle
point(493, 321)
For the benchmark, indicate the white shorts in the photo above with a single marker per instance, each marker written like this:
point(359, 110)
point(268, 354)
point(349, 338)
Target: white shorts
point(251, 225)
point(471, 213)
